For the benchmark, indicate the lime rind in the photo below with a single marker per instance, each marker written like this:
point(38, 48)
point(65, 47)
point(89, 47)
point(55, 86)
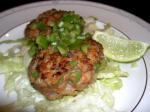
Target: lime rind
point(119, 49)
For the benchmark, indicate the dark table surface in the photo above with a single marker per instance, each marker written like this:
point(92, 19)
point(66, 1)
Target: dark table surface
point(138, 8)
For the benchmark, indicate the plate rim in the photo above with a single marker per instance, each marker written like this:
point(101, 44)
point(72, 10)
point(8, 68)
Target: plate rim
point(95, 4)
point(121, 12)
point(143, 60)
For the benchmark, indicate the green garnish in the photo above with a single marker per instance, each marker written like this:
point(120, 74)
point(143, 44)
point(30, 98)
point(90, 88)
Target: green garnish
point(60, 81)
point(54, 37)
point(77, 75)
point(35, 74)
point(39, 25)
point(66, 34)
point(63, 49)
point(33, 50)
point(97, 67)
point(84, 48)
point(42, 42)
point(76, 45)
point(73, 63)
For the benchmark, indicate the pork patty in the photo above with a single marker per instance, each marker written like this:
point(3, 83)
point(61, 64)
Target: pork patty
point(42, 25)
point(55, 75)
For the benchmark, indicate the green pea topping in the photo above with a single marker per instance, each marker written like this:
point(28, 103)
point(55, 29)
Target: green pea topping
point(35, 74)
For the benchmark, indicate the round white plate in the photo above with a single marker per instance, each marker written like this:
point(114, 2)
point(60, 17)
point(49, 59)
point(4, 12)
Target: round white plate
point(134, 96)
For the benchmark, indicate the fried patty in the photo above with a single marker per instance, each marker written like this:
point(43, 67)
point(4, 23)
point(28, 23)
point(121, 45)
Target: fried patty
point(47, 18)
point(57, 76)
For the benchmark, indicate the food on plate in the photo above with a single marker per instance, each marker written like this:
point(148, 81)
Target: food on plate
point(119, 49)
point(65, 57)
point(55, 75)
point(66, 63)
point(43, 23)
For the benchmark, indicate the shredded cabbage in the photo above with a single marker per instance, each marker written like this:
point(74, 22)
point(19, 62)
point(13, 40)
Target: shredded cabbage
point(110, 74)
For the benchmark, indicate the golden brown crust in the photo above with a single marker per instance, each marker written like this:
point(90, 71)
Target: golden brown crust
point(57, 76)
point(47, 18)
point(52, 66)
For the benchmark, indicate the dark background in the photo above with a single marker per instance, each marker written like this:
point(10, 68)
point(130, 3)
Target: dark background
point(140, 8)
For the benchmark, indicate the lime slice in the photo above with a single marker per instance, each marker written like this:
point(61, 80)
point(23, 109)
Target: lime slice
point(121, 50)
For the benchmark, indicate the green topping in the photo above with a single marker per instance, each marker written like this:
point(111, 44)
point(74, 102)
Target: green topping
point(73, 18)
point(60, 81)
point(63, 49)
point(97, 67)
point(76, 45)
point(35, 74)
point(73, 63)
point(42, 42)
point(54, 37)
point(84, 48)
point(33, 50)
point(66, 34)
point(77, 75)
point(39, 25)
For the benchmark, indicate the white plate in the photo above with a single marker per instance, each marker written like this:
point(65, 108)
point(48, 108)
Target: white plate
point(136, 90)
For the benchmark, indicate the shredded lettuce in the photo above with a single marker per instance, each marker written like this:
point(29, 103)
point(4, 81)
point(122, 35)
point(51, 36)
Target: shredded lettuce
point(20, 40)
point(96, 98)
point(110, 74)
point(11, 64)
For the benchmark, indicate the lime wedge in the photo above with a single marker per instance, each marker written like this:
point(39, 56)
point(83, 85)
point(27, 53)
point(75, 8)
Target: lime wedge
point(121, 50)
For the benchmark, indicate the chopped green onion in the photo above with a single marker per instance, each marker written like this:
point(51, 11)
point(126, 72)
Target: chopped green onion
point(81, 37)
point(42, 42)
point(60, 81)
point(39, 25)
point(63, 49)
point(76, 44)
point(96, 67)
point(35, 74)
point(51, 23)
point(87, 35)
point(73, 63)
point(68, 26)
point(66, 34)
point(72, 40)
point(84, 48)
point(77, 75)
point(73, 34)
point(68, 18)
point(61, 24)
point(54, 37)
point(33, 50)
point(55, 28)
point(78, 29)
point(61, 29)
